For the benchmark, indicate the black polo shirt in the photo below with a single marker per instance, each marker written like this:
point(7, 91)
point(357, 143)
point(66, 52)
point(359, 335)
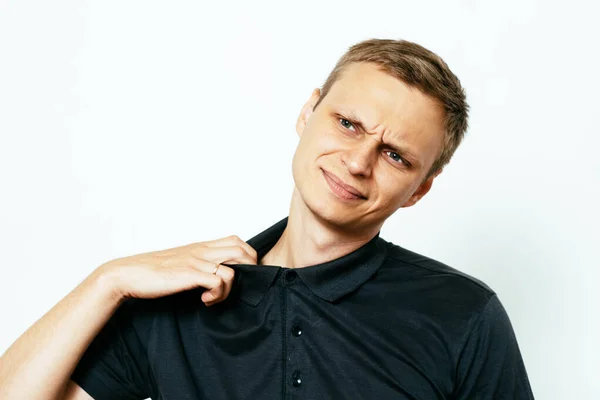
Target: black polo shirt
point(381, 322)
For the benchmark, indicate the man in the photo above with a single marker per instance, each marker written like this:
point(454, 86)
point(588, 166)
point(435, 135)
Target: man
point(319, 306)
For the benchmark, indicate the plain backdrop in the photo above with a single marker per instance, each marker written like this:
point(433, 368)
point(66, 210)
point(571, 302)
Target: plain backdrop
point(133, 126)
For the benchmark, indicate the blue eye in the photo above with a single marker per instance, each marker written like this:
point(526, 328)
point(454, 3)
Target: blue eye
point(396, 159)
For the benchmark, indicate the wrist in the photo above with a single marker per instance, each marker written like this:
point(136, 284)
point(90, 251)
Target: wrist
point(106, 280)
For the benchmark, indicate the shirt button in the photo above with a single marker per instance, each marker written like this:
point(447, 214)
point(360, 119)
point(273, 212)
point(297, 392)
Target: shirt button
point(296, 331)
point(291, 276)
point(296, 379)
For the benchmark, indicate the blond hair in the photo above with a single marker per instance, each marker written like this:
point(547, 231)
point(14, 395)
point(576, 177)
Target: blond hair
point(421, 68)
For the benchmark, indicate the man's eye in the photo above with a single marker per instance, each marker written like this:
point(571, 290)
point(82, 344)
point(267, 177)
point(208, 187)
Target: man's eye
point(345, 123)
point(397, 158)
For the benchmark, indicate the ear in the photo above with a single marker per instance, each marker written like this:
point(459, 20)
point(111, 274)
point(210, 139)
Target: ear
point(306, 111)
point(421, 190)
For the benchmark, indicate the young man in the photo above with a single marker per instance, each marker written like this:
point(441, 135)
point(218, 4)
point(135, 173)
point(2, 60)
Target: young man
point(317, 306)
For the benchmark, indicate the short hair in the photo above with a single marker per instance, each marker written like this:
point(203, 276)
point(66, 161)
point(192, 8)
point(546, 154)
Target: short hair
point(417, 67)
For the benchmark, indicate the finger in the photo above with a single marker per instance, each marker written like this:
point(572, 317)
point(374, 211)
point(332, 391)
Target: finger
point(191, 277)
point(216, 293)
point(229, 254)
point(189, 260)
point(185, 278)
point(232, 240)
point(228, 275)
point(225, 273)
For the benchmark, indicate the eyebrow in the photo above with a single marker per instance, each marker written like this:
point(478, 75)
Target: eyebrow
point(350, 116)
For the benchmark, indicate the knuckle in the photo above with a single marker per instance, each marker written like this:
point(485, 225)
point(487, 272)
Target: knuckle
point(253, 252)
point(239, 251)
point(229, 273)
point(237, 238)
point(218, 289)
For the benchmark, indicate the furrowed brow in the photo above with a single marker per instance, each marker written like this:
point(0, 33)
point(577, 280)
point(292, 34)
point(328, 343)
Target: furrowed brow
point(414, 161)
point(402, 150)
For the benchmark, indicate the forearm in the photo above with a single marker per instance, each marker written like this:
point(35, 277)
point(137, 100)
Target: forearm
point(39, 363)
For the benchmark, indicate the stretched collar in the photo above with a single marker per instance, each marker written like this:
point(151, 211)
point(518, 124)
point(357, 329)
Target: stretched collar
point(329, 280)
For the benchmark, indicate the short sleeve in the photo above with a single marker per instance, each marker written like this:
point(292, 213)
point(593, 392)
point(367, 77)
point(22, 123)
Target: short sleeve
point(115, 365)
point(490, 365)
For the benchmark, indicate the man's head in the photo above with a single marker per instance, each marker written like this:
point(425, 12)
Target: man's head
point(387, 120)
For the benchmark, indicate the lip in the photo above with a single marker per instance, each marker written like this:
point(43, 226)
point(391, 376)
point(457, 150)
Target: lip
point(339, 182)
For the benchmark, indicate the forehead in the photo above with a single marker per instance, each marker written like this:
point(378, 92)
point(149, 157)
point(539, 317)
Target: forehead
point(386, 104)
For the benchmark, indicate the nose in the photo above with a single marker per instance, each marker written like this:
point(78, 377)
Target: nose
point(360, 157)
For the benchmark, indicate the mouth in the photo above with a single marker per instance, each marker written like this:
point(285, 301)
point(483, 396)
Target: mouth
point(341, 189)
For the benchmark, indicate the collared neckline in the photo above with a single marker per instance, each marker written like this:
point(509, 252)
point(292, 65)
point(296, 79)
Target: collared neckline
point(329, 280)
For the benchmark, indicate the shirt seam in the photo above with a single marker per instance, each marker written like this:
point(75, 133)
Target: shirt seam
point(151, 380)
point(452, 273)
point(470, 331)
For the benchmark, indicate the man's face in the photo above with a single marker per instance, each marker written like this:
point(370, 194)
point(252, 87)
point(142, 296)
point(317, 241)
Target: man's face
point(372, 132)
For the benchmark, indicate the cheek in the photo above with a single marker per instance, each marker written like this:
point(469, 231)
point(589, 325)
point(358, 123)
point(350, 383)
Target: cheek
point(314, 144)
point(303, 151)
point(304, 156)
point(329, 144)
point(326, 142)
point(392, 192)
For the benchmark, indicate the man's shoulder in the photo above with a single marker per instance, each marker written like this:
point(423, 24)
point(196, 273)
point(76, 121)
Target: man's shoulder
point(411, 266)
point(420, 264)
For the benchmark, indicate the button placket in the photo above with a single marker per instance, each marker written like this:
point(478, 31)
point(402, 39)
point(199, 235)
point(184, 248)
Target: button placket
point(294, 332)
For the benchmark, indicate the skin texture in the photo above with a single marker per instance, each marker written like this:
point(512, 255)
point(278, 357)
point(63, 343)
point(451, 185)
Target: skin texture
point(320, 226)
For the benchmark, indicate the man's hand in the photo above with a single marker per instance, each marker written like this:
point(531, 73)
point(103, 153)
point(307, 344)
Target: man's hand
point(161, 273)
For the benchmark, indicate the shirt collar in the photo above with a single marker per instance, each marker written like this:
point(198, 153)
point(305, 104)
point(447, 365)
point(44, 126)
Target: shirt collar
point(329, 280)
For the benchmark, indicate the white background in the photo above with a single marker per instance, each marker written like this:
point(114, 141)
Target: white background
point(128, 127)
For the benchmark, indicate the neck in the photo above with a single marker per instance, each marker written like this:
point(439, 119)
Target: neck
point(310, 240)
